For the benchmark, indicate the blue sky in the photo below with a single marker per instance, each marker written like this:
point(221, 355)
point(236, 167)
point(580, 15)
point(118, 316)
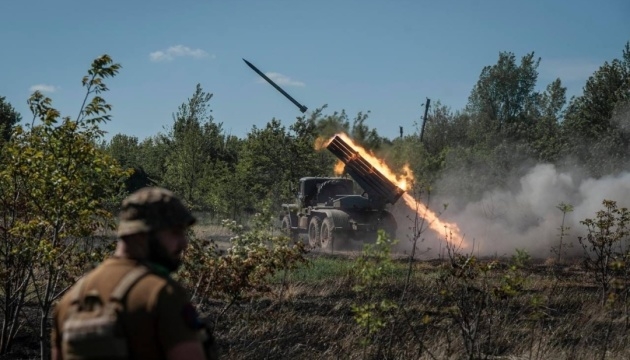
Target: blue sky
point(381, 56)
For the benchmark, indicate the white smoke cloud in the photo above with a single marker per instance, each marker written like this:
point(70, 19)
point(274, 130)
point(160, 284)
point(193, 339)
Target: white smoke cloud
point(527, 217)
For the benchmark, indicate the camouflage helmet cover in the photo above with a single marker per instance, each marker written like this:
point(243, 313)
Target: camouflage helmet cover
point(152, 209)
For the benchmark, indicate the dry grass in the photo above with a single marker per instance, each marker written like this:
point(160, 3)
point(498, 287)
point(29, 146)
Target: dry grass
point(556, 315)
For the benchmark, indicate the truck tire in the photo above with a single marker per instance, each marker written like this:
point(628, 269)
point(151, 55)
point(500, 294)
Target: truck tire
point(314, 238)
point(327, 234)
point(285, 227)
point(388, 223)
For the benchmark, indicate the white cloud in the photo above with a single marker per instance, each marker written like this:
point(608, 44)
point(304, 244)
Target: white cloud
point(178, 51)
point(282, 79)
point(43, 88)
point(568, 69)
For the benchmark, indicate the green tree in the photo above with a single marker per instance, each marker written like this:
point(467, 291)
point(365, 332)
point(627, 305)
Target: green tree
point(365, 136)
point(592, 136)
point(126, 150)
point(373, 309)
point(153, 152)
point(227, 196)
point(507, 126)
point(545, 138)
point(605, 245)
point(505, 95)
point(8, 118)
point(329, 125)
point(304, 136)
point(195, 142)
point(55, 186)
point(264, 164)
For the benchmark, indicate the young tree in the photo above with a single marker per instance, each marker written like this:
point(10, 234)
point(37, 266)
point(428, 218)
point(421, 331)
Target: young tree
point(55, 186)
point(8, 118)
point(195, 142)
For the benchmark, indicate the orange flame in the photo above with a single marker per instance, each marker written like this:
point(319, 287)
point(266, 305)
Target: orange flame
point(450, 230)
point(321, 143)
point(339, 167)
point(403, 181)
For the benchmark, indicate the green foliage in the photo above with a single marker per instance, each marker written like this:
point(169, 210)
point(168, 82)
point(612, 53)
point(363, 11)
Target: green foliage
point(329, 125)
point(305, 159)
point(593, 138)
point(193, 148)
point(504, 95)
point(445, 129)
point(363, 135)
point(513, 281)
point(8, 118)
point(507, 125)
point(561, 249)
point(55, 186)
point(152, 152)
point(606, 245)
point(472, 293)
point(371, 270)
point(322, 269)
point(262, 155)
point(248, 266)
point(545, 137)
point(126, 150)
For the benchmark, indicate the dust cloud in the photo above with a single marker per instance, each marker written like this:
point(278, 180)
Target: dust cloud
point(525, 217)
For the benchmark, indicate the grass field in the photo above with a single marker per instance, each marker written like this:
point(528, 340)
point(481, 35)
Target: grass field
point(448, 308)
point(551, 312)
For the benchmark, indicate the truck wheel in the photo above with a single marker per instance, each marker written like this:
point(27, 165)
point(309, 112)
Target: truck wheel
point(285, 227)
point(327, 234)
point(314, 238)
point(388, 223)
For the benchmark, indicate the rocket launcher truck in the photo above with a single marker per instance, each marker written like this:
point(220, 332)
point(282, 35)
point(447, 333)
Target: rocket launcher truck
point(329, 211)
point(327, 208)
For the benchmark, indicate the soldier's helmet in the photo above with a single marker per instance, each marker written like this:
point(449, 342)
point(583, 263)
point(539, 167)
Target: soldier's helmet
point(152, 209)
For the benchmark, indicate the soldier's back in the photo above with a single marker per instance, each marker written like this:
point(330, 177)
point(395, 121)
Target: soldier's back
point(157, 314)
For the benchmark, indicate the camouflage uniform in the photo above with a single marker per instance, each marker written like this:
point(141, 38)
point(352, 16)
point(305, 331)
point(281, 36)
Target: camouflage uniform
point(157, 310)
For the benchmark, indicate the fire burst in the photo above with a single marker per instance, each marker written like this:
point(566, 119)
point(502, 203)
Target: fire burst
point(403, 181)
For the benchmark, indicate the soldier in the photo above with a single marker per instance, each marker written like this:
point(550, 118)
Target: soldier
point(129, 307)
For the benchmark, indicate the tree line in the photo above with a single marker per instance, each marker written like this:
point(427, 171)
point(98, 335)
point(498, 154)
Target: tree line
point(507, 124)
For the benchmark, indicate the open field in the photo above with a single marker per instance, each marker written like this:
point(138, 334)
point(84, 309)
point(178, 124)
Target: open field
point(448, 308)
point(454, 307)
point(555, 313)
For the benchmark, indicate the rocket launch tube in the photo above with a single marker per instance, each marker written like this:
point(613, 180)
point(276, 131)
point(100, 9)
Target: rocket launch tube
point(368, 177)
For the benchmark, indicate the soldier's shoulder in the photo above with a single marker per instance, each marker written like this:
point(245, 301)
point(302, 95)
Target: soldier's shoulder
point(66, 299)
point(153, 288)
